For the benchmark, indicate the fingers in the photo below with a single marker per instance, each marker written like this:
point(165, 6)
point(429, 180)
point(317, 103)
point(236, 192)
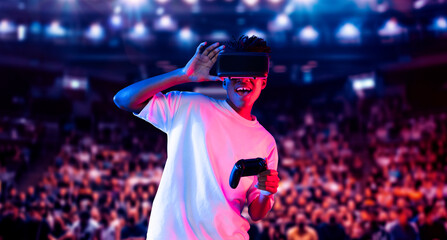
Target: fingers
point(214, 59)
point(200, 47)
point(268, 180)
point(210, 48)
point(268, 172)
point(216, 52)
point(269, 188)
point(268, 183)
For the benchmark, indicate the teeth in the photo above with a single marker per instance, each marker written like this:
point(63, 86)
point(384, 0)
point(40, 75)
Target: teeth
point(243, 89)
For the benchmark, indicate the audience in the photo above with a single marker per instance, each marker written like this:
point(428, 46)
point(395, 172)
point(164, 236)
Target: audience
point(388, 184)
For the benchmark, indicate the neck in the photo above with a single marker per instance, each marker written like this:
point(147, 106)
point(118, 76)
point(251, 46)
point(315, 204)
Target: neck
point(245, 112)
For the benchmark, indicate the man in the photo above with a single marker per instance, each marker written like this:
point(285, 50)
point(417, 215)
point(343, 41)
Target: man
point(403, 229)
point(85, 228)
point(331, 229)
point(301, 231)
point(433, 228)
point(206, 137)
point(375, 229)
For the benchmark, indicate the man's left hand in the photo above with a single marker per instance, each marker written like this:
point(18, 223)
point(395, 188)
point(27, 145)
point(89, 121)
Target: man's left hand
point(268, 181)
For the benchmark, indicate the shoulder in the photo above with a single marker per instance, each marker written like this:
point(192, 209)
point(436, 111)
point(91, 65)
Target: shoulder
point(292, 231)
point(311, 230)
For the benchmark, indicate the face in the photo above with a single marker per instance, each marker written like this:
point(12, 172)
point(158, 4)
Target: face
point(242, 92)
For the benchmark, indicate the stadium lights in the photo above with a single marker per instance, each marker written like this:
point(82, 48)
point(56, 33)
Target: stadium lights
point(256, 33)
point(139, 31)
point(348, 33)
point(21, 32)
point(348, 30)
point(35, 27)
point(190, 2)
point(6, 27)
point(139, 28)
point(185, 34)
point(160, 11)
point(280, 23)
point(116, 20)
point(219, 36)
point(382, 7)
point(275, 1)
point(305, 2)
point(251, 3)
point(134, 3)
point(186, 37)
point(117, 10)
point(308, 34)
point(282, 20)
point(391, 28)
point(75, 82)
point(95, 32)
point(56, 30)
point(363, 81)
point(419, 4)
point(290, 7)
point(165, 23)
point(440, 23)
point(361, 84)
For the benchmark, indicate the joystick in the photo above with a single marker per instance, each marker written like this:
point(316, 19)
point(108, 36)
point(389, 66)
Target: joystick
point(246, 167)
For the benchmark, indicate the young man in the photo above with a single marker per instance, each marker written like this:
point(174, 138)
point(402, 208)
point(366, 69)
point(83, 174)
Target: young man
point(206, 137)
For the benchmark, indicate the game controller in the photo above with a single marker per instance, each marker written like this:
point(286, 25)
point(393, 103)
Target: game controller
point(246, 167)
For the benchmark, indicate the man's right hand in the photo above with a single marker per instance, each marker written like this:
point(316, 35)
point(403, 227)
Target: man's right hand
point(134, 97)
point(198, 68)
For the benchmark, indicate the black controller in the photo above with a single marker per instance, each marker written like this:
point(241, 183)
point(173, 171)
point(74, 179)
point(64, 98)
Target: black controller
point(246, 167)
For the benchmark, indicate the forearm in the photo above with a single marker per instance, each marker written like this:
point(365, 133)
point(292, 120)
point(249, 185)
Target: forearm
point(259, 207)
point(133, 97)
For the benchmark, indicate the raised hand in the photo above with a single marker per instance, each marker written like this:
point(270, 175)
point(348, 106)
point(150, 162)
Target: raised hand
point(198, 68)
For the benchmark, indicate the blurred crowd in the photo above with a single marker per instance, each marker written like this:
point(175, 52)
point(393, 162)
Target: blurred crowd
point(389, 184)
point(394, 187)
point(19, 143)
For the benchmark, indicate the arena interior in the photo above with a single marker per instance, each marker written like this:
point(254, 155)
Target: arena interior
point(356, 100)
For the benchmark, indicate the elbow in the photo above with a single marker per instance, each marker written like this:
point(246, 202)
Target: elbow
point(118, 100)
point(123, 101)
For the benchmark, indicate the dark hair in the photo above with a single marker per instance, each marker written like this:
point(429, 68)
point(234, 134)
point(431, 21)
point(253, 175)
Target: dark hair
point(247, 44)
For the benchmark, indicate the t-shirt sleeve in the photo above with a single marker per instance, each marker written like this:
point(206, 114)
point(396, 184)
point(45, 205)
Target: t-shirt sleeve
point(272, 163)
point(161, 109)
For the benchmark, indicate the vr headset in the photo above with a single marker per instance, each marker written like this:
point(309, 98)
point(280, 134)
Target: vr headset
point(243, 64)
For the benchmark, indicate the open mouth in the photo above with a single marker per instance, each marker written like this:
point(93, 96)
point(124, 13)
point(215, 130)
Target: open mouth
point(242, 91)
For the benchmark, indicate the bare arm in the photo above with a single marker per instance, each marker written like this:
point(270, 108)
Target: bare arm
point(134, 97)
point(259, 207)
point(268, 182)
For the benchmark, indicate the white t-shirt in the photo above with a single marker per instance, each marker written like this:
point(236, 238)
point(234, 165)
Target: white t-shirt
point(206, 137)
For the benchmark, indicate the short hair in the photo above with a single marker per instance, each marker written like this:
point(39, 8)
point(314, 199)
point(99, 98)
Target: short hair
point(247, 44)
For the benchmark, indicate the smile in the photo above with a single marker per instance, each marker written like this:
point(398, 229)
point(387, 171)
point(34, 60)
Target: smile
point(242, 91)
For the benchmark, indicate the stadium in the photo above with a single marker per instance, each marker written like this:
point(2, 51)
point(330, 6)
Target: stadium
point(356, 101)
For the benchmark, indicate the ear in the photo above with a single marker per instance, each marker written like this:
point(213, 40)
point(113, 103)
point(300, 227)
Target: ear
point(264, 83)
point(224, 83)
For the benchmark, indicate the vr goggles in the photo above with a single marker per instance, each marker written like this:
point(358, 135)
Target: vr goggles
point(242, 64)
